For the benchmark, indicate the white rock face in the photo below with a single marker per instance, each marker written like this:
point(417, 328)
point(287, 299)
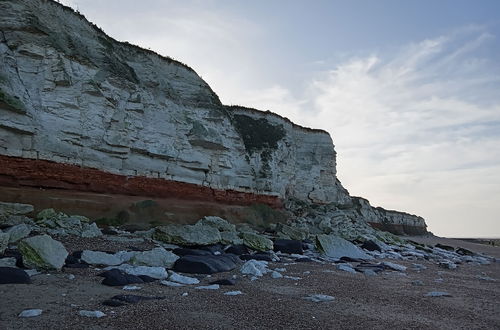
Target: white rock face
point(79, 97)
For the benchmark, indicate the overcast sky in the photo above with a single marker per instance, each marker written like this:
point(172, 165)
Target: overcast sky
point(409, 90)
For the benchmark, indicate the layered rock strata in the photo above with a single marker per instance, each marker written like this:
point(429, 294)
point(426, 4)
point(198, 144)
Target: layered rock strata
point(81, 111)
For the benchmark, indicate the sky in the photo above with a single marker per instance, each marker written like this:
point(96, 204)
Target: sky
point(408, 90)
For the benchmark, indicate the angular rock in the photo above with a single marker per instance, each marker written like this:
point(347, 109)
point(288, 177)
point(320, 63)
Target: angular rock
point(445, 247)
point(191, 252)
point(208, 287)
point(464, 252)
point(93, 314)
point(346, 268)
point(30, 313)
point(336, 247)
point(14, 209)
point(230, 237)
point(158, 257)
point(238, 249)
point(4, 241)
point(116, 277)
point(9, 275)
point(293, 233)
point(170, 283)
point(209, 264)
point(275, 274)
point(101, 258)
point(218, 223)
point(319, 298)
point(8, 262)
point(371, 245)
point(18, 232)
point(183, 279)
point(257, 242)
point(90, 230)
point(42, 252)
point(393, 266)
point(288, 246)
point(255, 268)
point(187, 235)
point(158, 273)
point(233, 293)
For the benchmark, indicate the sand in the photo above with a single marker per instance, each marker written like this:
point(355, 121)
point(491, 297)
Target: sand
point(386, 301)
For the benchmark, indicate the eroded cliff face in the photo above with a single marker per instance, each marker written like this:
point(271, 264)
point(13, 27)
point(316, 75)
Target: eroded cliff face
point(74, 101)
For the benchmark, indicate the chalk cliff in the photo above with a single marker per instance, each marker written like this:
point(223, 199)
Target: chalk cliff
point(81, 111)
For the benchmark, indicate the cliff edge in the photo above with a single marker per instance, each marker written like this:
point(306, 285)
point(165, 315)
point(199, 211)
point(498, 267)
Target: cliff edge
point(81, 111)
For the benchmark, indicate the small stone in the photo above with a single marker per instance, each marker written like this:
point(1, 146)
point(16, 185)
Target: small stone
point(185, 294)
point(394, 266)
point(94, 314)
point(255, 268)
point(346, 268)
point(158, 273)
point(208, 287)
point(225, 282)
point(417, 283)
point(319, 298)
point(170, 283)
point(295, 278)
point(183, 279)
point(131, 287)
point(8, 262)
point(437, 294)
point(30, 313)
point(275, 274)
point(233, 293)
point(71, 277)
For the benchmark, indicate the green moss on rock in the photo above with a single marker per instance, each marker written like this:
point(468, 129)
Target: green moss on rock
point(258, 134)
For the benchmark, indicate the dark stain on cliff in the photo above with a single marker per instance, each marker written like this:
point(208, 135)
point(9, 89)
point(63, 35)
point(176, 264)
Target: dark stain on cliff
point(258, 134)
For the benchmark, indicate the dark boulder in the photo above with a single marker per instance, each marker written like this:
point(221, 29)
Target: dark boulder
point(288, 246)
point(133, 299)
point(113, 303)
point(238, 249)
point(303, 259)
point(191, 252)
point(10, 253)
point(116, 277)
point(10, 275)
point(371, 246)
point(208, 264)
point(445, 247)
point(257, 256)
point(464, 252)
point(147, 279)
point(226, 281)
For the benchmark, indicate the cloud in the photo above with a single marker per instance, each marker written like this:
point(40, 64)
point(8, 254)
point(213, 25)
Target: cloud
point(419, 129)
